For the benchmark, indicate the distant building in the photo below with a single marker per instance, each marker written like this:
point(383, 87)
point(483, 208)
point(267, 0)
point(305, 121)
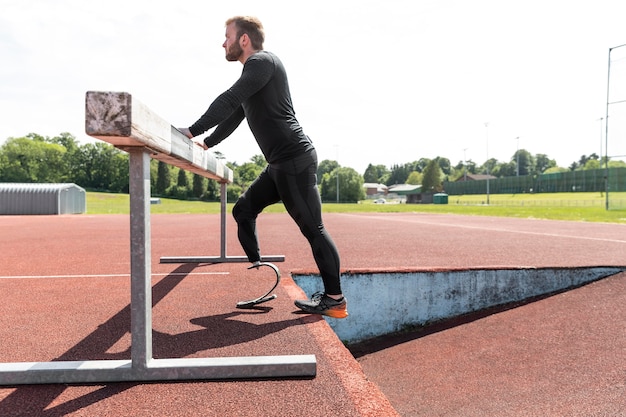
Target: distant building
point(17, 199)
point(375, 189)
point(413, 193)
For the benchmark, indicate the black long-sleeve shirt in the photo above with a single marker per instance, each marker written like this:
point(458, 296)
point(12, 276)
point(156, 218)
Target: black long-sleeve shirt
point(262, 96)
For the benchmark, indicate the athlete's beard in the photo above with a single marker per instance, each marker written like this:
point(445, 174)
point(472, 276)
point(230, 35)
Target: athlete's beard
point(234, 52)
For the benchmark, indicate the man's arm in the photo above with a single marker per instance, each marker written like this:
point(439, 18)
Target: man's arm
point(256, 73)
point(224, 129)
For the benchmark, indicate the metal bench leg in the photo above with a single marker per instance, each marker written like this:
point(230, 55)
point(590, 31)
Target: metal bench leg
point(223, 258)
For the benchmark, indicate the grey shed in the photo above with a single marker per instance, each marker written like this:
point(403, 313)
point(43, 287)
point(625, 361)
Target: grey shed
point(16, 199)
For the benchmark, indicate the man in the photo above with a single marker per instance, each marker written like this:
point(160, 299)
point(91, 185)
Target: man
point(261, 95)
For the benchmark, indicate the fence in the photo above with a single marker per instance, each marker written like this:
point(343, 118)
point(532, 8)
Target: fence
point(592, 180)
point(616, 203)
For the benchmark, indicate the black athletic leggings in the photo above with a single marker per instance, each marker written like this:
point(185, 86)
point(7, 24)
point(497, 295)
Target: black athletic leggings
point(293, 182)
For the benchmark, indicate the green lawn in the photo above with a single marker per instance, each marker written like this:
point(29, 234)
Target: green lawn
point(559, 206)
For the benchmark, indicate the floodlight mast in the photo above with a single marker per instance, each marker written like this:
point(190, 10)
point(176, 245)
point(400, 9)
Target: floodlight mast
point(487, 163)
point(606, 131)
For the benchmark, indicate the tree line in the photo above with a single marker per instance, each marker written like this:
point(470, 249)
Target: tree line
point(522, 163)
point(101, 167)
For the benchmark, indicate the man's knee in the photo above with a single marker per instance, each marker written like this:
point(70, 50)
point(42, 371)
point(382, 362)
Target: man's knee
point(242, 211)
point(237, 210)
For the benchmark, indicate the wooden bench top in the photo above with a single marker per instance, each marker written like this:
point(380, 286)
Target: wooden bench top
point(124, 122)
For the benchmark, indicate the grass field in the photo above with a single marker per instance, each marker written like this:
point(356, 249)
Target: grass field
point(561, 206)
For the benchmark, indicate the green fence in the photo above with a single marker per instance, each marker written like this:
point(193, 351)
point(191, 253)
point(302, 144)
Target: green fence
point(558, 182)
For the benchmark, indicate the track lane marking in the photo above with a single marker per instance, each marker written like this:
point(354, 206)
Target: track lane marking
point(107, 275)
point(495, 229)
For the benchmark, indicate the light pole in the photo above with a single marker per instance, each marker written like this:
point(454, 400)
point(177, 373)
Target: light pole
point(337, 149)
point(337, 185)
point(606, 130)
point(601, 128)
point(517, 154)
point(487, 163)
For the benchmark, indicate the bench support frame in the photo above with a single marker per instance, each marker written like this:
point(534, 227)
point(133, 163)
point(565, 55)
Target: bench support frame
point(141, 366)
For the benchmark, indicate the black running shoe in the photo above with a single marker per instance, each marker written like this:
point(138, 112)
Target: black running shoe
point(320, 303)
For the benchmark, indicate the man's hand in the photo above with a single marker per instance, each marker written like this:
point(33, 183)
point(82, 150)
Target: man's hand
point(202, 145)
point(185, 131)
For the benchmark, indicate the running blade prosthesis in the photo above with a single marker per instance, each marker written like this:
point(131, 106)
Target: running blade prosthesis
point(265, 297)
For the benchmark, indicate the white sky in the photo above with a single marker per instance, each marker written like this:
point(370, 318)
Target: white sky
point(373, 81)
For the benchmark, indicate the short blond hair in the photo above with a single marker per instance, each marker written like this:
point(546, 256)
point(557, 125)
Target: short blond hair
point(252, 27)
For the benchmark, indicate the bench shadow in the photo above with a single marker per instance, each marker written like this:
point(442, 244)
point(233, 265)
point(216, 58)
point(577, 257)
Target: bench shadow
point(218, 331)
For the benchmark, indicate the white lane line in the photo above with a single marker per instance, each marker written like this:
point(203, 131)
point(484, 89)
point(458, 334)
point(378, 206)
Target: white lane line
point(493, 229)
point(108, 275)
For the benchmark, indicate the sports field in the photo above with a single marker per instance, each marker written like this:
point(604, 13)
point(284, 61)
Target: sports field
point(558, 206)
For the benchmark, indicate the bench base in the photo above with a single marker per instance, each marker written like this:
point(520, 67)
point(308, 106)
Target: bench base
point(96, 371)
point(216, 259)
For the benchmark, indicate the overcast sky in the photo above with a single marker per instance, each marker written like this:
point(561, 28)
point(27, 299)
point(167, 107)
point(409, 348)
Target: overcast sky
point(373, 81)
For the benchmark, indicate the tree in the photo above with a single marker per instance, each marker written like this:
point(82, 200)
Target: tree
point(375, 174)
point(399, 174)
point(592, 164)
point(471, 166)
point(233, 192)
point(243, 176)
point(325, 167)
point(198, 186)
point(526, 162)
point(181, 190)
point(182, 178)
point(35, 158)
point(582, 162)
point(234, 167)
point(554, 169)
point(247, 173)
point(212, 191)
point(462, 167)
point(99, 166)
point(431, 182)
point(32, 160)
point(488, 167)
point(259, 160)
point(421, 164)
point(67, 140)
point(505, 170)
point(350, 186)
point(542, 163)
point(119, 170)
point(113, 166)
point(617, 164)
point(445, 165)
point(415, 178)
point(163, 178)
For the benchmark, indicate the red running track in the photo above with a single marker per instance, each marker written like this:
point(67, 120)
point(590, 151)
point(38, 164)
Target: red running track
point(65, 294)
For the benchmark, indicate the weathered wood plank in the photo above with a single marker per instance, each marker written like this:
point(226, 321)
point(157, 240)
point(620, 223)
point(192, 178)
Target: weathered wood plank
point(123, 121)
